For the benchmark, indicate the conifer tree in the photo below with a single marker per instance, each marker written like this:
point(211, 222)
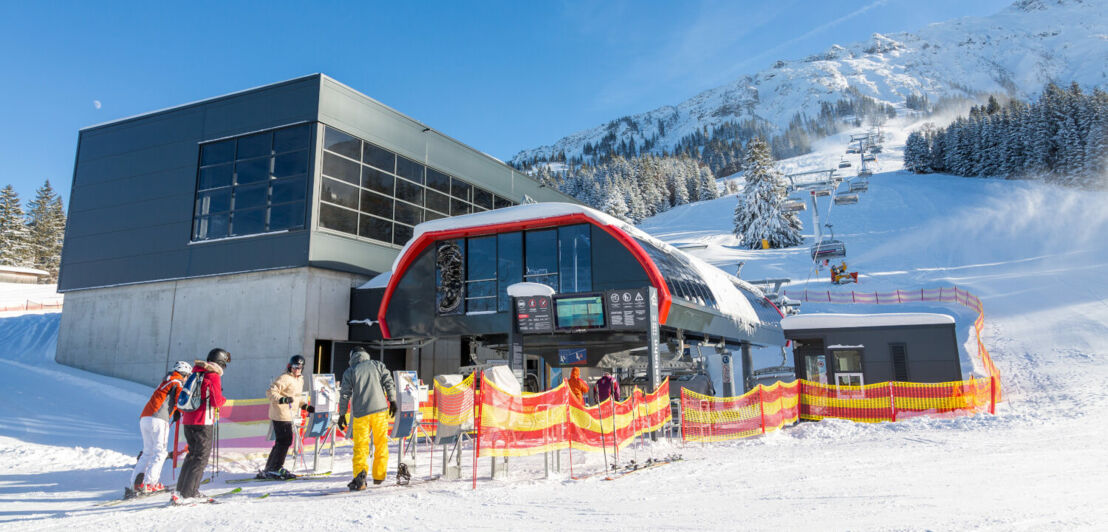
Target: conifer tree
point(15, 245)
point(760, 212)
point(46, 229)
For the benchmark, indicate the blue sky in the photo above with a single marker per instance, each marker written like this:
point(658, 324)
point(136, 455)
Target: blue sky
point(497, 75)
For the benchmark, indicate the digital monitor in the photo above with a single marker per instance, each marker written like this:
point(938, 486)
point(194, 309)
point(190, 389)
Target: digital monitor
point(579, 312)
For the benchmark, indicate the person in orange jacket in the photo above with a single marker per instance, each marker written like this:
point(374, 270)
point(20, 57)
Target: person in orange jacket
point(577, 386)
point(154, 424)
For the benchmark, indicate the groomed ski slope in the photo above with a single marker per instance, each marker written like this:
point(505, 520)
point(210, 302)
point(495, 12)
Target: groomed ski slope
point(1036, 255)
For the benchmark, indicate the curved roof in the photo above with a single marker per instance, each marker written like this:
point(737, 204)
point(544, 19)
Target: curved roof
point(842, 321)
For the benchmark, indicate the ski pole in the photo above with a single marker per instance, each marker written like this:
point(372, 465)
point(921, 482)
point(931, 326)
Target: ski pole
point(176, 439)
point(603, 439)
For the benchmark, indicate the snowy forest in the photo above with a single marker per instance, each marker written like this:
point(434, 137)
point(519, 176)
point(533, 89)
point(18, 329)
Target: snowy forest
point(32, 238)
point(1061, 138)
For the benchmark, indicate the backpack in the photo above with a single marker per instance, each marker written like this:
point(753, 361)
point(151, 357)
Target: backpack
point(189, 400)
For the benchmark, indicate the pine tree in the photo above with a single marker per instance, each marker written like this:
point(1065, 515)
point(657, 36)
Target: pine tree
point(760, 214)
point(15, 245)
point(46, 230)
point(707, 189)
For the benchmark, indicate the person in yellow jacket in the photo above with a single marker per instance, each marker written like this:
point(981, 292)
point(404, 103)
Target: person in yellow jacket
point(368, 389)
point(286, 398)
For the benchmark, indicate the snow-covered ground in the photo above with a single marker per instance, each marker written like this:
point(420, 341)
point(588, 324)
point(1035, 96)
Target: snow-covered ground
point(1035, 255)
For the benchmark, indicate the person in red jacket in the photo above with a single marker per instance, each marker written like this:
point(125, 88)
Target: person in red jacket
point(154, 424)
point(198, 423)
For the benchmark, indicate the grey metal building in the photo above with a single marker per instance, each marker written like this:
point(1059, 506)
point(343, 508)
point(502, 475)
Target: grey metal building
point(245, 220)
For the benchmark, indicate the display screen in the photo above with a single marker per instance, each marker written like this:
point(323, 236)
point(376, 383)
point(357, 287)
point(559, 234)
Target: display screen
point(582, 312)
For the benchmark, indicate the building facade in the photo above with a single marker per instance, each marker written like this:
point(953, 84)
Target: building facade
point(245, 221)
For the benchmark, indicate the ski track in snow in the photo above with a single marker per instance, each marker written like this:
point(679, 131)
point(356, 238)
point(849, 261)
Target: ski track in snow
point(1035, 255)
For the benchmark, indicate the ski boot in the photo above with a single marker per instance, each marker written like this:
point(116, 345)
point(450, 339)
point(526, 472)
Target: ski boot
point(403, 476)
point(358, 484)
point(280, 474)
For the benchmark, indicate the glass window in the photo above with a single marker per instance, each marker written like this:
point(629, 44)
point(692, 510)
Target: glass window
point(286, 216)
point(408, 214)
point(409, 169)
point(459, 207)
point(460, 189)
point(575, 258)
point(291, 138)
point(401, 234)
point(375, 228)
point(339, 168)
point(217, 152)
point(438, 202)
point(501, 202)
point(216, 176)
point(438, 181)
point(251, 196)
point(338, 218)
point(848, 360)
point(432, 215)
point(214, 226)
point(375, 179)
point(213, 201)
point(378, 157)
point(377, 204)
point(291, 163)
point(248, 222)
point(481, 266)
point(408, 191)
point(257, 145)
point(339, 193)
point(252, 171)
point(509, 265)
point(482, 198)
point(541, 254)
point(291, 189)
point(341, 143)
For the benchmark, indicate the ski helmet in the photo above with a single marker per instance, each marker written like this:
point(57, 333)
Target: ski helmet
point(296, 361)
point(358, 351)
point(182, 367)
point(219, 356)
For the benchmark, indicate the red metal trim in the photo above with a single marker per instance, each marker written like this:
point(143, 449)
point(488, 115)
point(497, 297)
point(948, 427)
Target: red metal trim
point(426, 239)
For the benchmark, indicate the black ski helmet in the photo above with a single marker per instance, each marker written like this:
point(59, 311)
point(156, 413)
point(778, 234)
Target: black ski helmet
point(295, 361)
point(219, 356)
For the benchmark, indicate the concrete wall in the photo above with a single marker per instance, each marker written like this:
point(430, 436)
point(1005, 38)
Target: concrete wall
point(136, 332)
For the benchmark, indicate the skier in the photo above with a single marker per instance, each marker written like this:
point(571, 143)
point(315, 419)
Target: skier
point(577, 386)
point(154, 424)
point(368, 385)
point(198, 423)
point(283, 394)
point(607, 387)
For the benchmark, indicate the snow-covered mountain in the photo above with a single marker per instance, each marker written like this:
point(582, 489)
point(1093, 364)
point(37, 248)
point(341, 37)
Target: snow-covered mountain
point(1014, 52)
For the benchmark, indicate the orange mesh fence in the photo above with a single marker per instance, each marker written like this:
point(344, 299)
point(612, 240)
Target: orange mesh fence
point(761, 410)
point(454, 405)
point(943, 294)
point(531, 423)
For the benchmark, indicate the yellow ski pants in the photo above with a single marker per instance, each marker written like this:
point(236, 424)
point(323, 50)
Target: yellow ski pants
point(378, 423)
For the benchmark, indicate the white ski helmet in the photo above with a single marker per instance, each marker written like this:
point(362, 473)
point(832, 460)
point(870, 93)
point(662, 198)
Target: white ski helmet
point(182, 367)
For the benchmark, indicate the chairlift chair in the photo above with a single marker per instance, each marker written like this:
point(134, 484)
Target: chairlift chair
point(828, 249)
point(869, 157)
point(844, 164)
point(821, 192)
point(846, 199)
point(860, 185)
point(865, 172)
point(795, 205)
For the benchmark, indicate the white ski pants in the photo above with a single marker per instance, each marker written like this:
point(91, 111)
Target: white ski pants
point(154, 434)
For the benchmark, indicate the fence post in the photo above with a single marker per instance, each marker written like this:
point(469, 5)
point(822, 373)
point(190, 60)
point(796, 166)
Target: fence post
point(762, 405)
point(992, 394)
point(477, 444)
point(853, 299)
point(892, 401)
point(898, 300)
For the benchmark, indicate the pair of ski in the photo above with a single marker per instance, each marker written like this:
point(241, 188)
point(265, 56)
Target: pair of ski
point(634, 467)
point(177, 500)
point(298, 477)
point(130, 496)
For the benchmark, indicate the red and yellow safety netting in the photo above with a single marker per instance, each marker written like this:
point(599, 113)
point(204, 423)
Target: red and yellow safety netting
point(761, 410)
point(943, 294)
point(531, 423)
point(453, 406)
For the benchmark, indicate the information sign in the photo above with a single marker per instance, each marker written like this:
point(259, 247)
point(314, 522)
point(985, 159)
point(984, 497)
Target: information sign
point(628, 309)
point(572, 356)
point(534, 314)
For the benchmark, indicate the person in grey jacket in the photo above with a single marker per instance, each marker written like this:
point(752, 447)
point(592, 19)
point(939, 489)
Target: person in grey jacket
point(368, 388)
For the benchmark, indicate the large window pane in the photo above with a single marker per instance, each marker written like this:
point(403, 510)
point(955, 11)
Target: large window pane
point(339, 168)
point(460, 189)
point(216, 176)
point(255, 146)
point(339, 193)
point(286, 216)
point(291, 189)
point(509, 265)
point(377, 204)
point(252, 171)
point(482, 198)
point(408, 191)
point(338, 218)
point(291, 138)
point(408, 214)
point(375, 179)
point(213, 201)
point(379, 157)
point(214, 226)
point(459, 207)
point(218, 152)
point(401, 234)
point(248, 222)
point(375, 228)
point(438, 202)
point(481, 258)
point(409, 169)
point(501, 202)
point(291, 163)
point(251, 196)
point(432, 215)
point(541, 261)
point(575, 258)
point(341, 143)
point(438, 181)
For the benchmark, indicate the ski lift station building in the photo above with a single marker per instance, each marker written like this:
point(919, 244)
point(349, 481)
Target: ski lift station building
point(255, 221)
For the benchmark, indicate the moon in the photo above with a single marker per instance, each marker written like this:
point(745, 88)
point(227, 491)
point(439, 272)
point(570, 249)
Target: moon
point(96, 103)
